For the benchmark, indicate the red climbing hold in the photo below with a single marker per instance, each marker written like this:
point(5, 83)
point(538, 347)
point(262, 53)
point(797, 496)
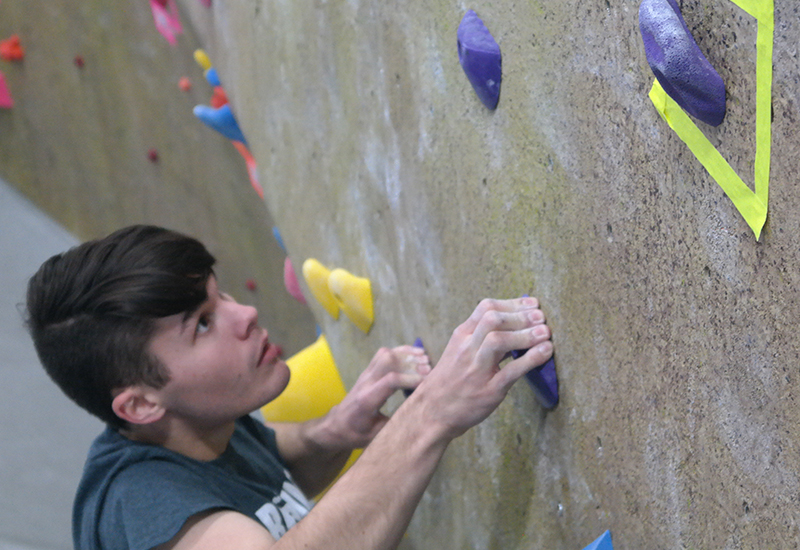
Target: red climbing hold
point(251, 285)
point(78, 61)
point(152, 154)
point(11, 49)
point(219, 98)
point(185, 84)
point(6, 101)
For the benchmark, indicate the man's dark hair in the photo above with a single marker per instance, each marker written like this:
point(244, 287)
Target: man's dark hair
point(93, 309)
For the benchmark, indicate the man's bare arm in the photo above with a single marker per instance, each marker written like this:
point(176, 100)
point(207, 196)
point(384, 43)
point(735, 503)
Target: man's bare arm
point(371, 506)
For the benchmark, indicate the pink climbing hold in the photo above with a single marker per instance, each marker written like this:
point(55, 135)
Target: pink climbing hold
point(185, 84)
point(168, 23)
point(290, 281)
point(6, 101)
point(152, 154)
point(251, 285)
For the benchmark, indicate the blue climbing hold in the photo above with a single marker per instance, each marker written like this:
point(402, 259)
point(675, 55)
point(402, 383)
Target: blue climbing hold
point(479, 55)
point(679, 65)
point(221, 120)
point(212, 77)
point(277, 235)
point(602, 543)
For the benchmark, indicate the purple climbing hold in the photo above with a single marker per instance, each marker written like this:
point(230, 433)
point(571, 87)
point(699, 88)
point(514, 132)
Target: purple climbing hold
point(544, 382)
point(679, 65)
point(417, 344)
point(480, 58)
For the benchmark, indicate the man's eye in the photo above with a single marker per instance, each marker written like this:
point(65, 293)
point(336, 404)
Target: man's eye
point(203, 325)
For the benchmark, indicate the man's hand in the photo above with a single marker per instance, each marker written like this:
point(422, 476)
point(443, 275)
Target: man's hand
point(467, 383)
point(357, 419)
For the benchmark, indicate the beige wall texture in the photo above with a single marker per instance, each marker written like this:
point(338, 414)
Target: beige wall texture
point(674, 329)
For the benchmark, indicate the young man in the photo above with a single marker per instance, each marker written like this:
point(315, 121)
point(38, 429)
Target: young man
point(134, 329)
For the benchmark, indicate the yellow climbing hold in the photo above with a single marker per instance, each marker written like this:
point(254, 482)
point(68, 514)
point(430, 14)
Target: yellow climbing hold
point(316, 276)
point(314, 387)
point(202, 59)
point(354, 296)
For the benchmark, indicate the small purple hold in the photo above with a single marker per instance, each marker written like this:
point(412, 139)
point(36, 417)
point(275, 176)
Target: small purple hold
point(480, 58)
point(417, 344)
point(679, 65)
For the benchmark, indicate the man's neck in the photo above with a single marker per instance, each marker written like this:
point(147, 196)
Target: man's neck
point(206, 443)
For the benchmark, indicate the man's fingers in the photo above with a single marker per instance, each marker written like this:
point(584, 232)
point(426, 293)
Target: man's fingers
point(502, 306)
point(494, 322)
point(516, 369)
point(498, 343)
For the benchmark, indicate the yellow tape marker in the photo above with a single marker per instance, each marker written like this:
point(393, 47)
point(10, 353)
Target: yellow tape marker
point(751, 205)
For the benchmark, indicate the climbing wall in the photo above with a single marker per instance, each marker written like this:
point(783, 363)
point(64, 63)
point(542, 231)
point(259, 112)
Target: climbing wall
point(673, 317)
point(673, 325)
point(102, 134)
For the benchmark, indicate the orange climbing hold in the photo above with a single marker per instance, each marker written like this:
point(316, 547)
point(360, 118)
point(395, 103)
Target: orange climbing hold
point(11, 49)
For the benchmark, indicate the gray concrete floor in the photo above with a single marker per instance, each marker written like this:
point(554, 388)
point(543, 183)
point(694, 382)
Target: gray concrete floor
point(43, 436)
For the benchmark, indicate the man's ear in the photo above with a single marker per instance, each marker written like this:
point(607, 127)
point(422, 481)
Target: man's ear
point(137, 405)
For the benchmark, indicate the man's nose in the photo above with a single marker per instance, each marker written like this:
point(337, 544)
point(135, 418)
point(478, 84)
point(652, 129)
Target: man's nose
point(246, 320)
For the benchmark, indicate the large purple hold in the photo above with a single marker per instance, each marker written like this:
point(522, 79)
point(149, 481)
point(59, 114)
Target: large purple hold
point(480, 58)
point(679, 65)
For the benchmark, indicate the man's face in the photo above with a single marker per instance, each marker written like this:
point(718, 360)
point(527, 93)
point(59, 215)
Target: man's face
point(221, 363)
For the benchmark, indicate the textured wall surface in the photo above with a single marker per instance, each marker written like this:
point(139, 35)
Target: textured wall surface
point(674, 328)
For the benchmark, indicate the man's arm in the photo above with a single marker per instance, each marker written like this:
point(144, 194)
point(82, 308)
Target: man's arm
point(371, 506)
point(317, 450)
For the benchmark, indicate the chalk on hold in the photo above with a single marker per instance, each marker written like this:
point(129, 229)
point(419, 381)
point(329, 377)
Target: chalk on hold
point(354, 296)
point(221, 120)
point(677, 62)
point(6, 101)
point(479, 55)
point(290, 281)
point(11, 49)
point(602, 543)
point(316, 276)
